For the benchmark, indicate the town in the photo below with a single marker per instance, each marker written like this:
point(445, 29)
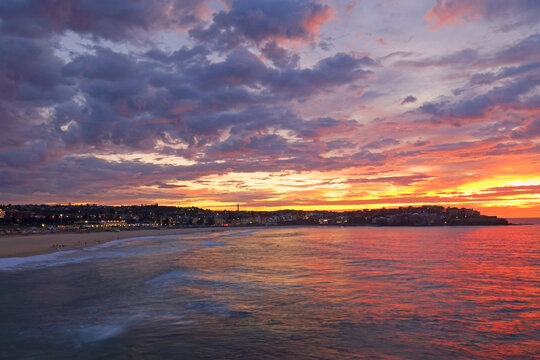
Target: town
point(16, 219)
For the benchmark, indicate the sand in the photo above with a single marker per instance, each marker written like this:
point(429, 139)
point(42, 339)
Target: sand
point(27, 245)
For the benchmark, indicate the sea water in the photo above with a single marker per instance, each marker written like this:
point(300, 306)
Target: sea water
point(281, 293)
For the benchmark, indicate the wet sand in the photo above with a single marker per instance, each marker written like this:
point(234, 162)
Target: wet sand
point(27, 245)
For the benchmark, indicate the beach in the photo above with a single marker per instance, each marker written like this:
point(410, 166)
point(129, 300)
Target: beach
point(35, 244)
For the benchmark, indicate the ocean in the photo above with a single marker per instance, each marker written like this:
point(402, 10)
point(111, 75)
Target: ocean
point(281, 293)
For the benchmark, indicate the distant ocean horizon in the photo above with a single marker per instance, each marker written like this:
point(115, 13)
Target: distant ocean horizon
point(281, 293)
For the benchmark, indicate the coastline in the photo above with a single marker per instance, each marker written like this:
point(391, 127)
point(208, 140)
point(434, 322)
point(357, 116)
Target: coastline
point(37, 244)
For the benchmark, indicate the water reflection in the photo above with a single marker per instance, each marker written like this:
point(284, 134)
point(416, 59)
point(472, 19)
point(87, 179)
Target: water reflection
point(454, 292)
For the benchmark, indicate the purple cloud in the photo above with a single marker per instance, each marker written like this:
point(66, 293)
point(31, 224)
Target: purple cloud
point(524, 51)
point(264, 20)
point(29, 71)
point(452, 12)
point(490, 77)
point(114, 20)
point(279, 56)
point(259, 86)
point(408, 100)
point(506, 96)
point(381, 143)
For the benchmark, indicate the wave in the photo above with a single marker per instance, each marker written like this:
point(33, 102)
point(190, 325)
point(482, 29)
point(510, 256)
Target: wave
point(112, 249)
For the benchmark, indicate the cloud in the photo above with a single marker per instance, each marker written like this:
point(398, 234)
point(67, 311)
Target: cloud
point(456, 12)
point(490, 77)
point(452, 12)
point(111, 95)
point(112, 20)
point(463, 57)
point(29, 71)
point(399, 54)
point(408, 100)
point(528, 131)
point(279, 56)
point(178, 103)
point(521, 52)
point(381, 143)
point(381, 41)
point(507, 96)
point(264, 20)
point(402, 180)
point(332, 71)
point(319, 127)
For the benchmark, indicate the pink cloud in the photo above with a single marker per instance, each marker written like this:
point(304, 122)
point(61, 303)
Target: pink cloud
point(319, 18)
point(381, 41)
point(513, 13)
point(453, 12)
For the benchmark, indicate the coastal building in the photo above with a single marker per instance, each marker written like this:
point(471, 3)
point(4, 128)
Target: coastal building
point(114, 223)
point(93, 216)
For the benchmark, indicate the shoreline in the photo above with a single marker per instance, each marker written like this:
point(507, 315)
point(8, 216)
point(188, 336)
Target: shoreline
point(38, 244)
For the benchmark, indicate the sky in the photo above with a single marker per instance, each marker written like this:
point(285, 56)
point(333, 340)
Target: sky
point(272, 104)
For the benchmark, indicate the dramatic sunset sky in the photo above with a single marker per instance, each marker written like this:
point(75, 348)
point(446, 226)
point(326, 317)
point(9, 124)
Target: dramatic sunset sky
point(306, 104)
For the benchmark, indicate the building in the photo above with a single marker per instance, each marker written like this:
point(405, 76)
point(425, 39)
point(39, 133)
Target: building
point(113, 223)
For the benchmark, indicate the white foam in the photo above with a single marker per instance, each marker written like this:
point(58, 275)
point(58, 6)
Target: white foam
point(211, 244)
point(241, 233)
point(121, 241)
point(102, 332)
point(173, 275)
point(102, 251)
point(13, 263)
point(106, 330)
